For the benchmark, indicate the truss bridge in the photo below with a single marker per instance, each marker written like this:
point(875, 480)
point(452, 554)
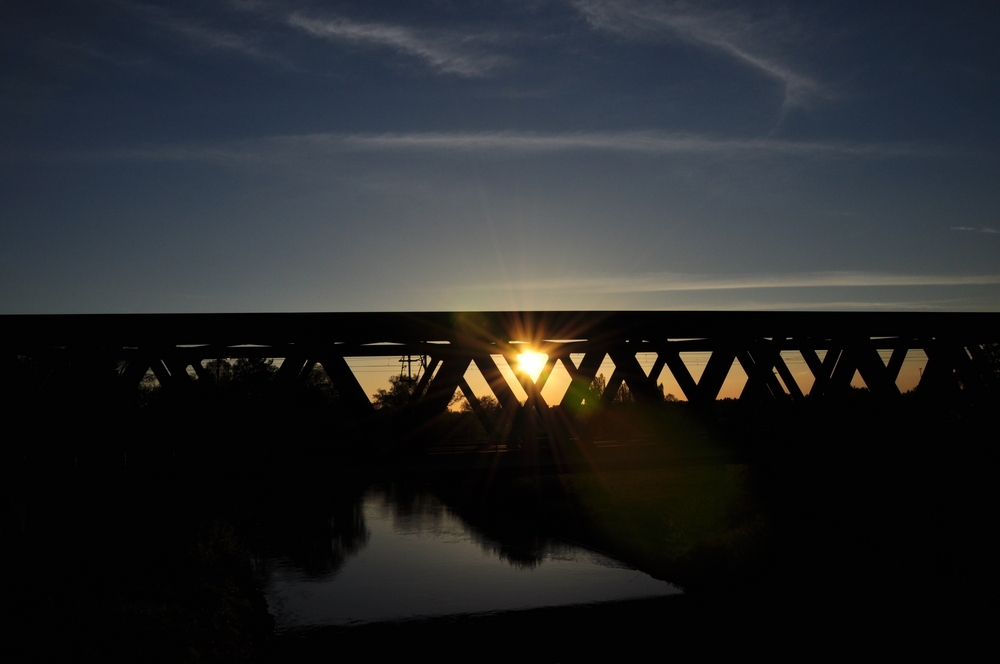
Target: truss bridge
point(778, 355)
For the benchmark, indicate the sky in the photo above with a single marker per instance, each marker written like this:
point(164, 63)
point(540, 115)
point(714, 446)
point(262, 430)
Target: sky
point(259, 156)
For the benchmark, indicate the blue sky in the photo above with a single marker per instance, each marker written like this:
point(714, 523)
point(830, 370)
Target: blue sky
point(299, 156)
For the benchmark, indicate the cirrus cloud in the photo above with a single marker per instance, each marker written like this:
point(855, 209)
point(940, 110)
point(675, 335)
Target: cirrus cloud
point(729, 31)
point(446, 53)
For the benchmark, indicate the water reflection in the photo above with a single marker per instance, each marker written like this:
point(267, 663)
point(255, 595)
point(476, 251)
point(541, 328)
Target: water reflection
point(398, 553)
point(315, 538)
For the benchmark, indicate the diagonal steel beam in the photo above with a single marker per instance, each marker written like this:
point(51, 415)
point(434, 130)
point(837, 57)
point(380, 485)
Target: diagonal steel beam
point(488, 367)
point(346, 383)
point(787, 378)
point(290, 370)
point(821, 370)
point(680, 372)
point(843, 372)
point(583, 378)
point(761, 381)
point(442, 386)
point(629, 370)
point(874, 372)
point(715, 374)
point(421, 387)
point(896, 362)
point(201, 371)
point(533, 393)
point(477, 408)
point(510, 407)
point(656, 370)
point(134, 372)
point(161, 373)
point(948, 364)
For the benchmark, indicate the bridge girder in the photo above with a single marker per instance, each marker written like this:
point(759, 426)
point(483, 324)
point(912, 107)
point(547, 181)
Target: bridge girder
point(169, 344)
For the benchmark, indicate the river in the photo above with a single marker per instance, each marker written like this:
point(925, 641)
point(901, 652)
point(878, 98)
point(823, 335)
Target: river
point(393, 555)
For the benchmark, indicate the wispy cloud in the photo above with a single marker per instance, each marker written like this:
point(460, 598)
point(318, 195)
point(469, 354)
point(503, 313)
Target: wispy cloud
point(984, 229)
point(510, 143)
point(201, 36)
point(855, 305)
point(211, 38)
point(732, 32)
point(650, 142)
point(667, 282)
point(443, 52)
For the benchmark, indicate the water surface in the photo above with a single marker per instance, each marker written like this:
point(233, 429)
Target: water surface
point(419, 559)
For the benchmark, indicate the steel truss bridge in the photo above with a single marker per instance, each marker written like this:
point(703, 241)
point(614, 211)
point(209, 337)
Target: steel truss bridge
point(168, 344)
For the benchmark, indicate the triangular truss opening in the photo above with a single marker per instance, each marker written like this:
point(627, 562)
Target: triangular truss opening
point(671, 388)
point(695, 362)
point(459, 401)
point(556, 385)
point(857, 381)
point(799, 370)
point(735, 382)
point(150, 381)
point(646, 361)
point(478, 386)
point(912, 370)
point(510, 378)
point(603, 376)
point(903, 367)
point(531, 364)
point(373, 373)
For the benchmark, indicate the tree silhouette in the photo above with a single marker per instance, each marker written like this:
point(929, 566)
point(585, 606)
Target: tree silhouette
point(396, 397)
point(489, 404)
point(253, 369)
point(221, 370)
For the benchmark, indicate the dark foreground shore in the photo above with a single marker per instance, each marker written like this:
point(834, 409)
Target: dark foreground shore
point(884, 538)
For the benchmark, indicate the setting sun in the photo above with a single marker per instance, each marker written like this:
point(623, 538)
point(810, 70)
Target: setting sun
point(531, 363)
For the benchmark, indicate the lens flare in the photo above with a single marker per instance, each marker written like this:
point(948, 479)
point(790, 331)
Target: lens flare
point(531, 363)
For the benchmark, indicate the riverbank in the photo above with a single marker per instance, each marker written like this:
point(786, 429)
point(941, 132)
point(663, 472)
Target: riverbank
point(834, 539)
point(129, 568)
